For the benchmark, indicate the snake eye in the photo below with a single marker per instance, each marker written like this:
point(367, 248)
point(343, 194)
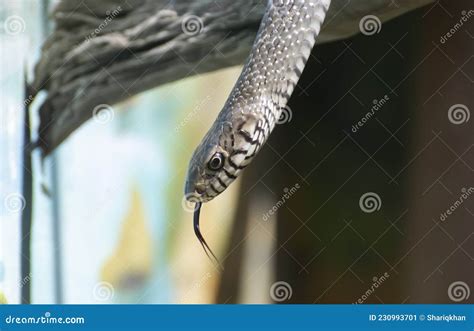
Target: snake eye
point(216, 162)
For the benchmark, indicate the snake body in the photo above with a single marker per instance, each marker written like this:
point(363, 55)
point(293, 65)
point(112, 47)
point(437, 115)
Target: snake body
point(283, 44)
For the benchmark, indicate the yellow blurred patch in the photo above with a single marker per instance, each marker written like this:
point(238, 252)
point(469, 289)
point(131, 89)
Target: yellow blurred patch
point(3, 299)
point(131, 263)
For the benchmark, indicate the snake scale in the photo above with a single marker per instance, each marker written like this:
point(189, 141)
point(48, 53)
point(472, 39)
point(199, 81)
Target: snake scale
point(283, 44)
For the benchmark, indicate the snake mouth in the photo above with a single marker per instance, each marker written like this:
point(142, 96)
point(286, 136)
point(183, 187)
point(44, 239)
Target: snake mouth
point(196, 192)
point(193, 197)
point(199, 192)
point(197, 198)
point(191, 190)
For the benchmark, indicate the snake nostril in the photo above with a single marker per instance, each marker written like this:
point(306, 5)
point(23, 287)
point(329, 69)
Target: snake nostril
point(200, 189)
point(192, 189)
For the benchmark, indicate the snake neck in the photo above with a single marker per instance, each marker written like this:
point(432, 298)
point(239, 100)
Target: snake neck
point(280, 52)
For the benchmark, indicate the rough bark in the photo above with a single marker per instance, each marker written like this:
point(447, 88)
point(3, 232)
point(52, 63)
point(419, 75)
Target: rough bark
point(103, 52)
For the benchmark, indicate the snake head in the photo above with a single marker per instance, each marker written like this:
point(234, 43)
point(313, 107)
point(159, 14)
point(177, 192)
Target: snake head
point(210, 172)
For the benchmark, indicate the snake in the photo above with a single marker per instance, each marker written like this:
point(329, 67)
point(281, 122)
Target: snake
point(283, 44)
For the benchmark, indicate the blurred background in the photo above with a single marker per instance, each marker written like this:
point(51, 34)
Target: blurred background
point(363, 195)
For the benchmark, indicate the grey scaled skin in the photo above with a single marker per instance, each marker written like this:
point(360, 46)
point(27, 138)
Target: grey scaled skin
point(284, 42)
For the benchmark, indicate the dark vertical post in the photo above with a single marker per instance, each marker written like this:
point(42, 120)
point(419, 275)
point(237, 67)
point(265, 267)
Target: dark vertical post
point(26, 216)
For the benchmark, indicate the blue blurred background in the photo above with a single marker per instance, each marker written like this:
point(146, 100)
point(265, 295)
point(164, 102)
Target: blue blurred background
point(125, 233)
